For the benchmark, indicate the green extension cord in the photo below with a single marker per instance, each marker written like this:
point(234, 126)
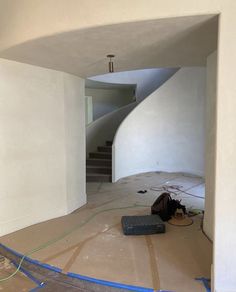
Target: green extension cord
point(65, 234)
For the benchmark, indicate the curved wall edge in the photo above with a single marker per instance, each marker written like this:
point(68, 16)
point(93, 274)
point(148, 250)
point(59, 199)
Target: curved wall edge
point(104, 128)
point(166, 130)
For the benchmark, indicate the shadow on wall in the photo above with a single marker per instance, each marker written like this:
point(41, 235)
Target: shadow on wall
point(104, 128)
point(165, 131)
point(170, 42)
point(107, 97)
point(42, 134)
point(147, 80)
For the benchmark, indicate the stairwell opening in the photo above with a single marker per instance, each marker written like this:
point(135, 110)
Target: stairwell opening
point(105, 159)
point(179, 144)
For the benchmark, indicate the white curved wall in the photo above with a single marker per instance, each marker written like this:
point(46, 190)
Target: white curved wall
point(15, 16)
point(106, 100)
point(208, 223)
point(104, 128)
point(42, 149)
point(166, 131)
point(147, 80)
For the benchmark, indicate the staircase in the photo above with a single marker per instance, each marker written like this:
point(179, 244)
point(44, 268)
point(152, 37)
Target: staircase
point(98, 165)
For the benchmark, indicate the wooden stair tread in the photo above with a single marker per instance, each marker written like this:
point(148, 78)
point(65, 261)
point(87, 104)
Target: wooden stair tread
point(98, 164)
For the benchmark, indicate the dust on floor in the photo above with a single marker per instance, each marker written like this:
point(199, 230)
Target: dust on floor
point(98, 248)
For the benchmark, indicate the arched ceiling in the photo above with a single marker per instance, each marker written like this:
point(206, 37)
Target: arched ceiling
point(170, 42)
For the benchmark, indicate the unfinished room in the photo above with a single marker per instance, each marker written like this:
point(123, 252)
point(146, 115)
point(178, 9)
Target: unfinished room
point(117, 145)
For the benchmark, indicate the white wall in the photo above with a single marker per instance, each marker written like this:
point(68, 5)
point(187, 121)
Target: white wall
point(56, 20)
point(88, 110)
point(210, 144)
point(104, 128)
point(166, 131)
point(109, 99)
point(40, 145)
point(147, 80)
point(74, 106)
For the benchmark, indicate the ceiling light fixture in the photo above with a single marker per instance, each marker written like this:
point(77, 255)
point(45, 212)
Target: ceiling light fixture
point(110, 64)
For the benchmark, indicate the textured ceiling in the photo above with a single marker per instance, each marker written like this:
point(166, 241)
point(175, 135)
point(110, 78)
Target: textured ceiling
point(172, 42)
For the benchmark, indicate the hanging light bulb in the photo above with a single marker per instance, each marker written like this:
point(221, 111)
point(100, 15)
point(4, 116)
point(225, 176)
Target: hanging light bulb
point(110, 64)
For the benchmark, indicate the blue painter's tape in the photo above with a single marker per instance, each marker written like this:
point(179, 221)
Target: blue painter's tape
point(31, 277)
point(37, 288)
point(11, 250)
point(205, 282)
point(49, 267)
point(28, 274)
point(110, 284)
point(81, 277)
point(27, 259)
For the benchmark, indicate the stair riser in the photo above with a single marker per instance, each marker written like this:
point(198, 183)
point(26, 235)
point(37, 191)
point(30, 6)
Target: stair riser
point(99, 170)
point(105, 149)
point(98, 178)
point(98, 162)
point(100, 155)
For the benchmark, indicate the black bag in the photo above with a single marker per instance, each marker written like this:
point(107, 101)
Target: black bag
point(165, 206)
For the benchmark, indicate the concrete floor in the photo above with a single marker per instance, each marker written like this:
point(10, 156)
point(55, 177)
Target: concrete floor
point(98, 248)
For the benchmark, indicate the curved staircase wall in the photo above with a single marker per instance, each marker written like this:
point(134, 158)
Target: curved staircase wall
point(108, 97)
point(147, 80)
point(104, 128)
point(165, 132)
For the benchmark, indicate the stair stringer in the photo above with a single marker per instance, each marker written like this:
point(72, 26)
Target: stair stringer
point(104, 128)
point(187, 82)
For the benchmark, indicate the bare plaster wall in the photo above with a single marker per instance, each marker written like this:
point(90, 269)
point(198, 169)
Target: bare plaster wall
point(147, 80)
point(95, 134)
point(210, 144)
point(42, 149)
point(165, 132)
point(83, 15)
point(74, 108)
point(108, 100)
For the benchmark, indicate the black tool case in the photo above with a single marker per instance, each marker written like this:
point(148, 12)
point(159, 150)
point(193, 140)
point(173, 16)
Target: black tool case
point(142, 225)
